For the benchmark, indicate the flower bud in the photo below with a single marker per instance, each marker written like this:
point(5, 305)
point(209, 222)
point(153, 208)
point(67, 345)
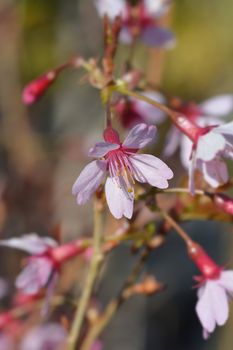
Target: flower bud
point(36, 88)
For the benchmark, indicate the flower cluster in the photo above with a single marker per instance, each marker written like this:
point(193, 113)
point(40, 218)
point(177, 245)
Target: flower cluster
point(126, 181)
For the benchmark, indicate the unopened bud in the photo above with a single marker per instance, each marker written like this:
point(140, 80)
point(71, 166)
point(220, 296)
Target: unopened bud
point(36, 88)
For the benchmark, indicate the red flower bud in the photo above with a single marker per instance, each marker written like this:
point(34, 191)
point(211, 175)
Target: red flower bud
point(208, 268)
point(36, 88)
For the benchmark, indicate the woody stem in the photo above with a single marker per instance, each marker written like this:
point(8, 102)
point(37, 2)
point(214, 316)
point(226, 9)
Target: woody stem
point(91, 277)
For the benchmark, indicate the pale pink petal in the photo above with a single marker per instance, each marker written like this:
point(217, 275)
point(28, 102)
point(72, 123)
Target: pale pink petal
point(204, 309)
point(172, 141)
point(157, 8)
point(140, 136)
point(120, 204)
point(185, 150)
point(218, 106)
point(215, 172)
point(150, 169)
point(150, 114)
point(225, 129)
point(219, 302)
point(30, 243)
point(89, 180)
point(158, 37)
point(112, 8)
point(226, 281)
point(210, 145)
point(102, 148)
point(50, 336)
point(35, 275)
point(205, 334)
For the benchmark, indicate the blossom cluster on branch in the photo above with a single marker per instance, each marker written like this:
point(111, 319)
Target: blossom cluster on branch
point(123, 180)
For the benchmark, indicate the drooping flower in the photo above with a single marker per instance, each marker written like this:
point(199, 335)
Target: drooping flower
point(50, 336)
point(139, 21)
point(123, 166)
point(209, 112)
point(42, 267)
point(208, 146)
point(132, 111)
point(215, 290)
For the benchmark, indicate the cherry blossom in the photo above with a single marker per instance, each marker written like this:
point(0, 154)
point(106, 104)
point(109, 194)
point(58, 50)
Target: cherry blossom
point(123, 166)
point(42, 267)
point(215, 290)
point(139, 21)
point(208, 146)
point(209, 112)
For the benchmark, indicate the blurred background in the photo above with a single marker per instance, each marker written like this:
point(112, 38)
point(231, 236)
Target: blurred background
point(43, 148)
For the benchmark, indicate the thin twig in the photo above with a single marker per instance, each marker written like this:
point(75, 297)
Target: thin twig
point(114, 305)
point(177, 227)
point(91, 277)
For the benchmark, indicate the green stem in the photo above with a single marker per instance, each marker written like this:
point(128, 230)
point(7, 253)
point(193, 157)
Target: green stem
point(91, 277)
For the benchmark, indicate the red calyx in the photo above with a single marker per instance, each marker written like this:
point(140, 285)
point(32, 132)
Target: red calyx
point(111, 135)
point(208, 268)
point(67, 251)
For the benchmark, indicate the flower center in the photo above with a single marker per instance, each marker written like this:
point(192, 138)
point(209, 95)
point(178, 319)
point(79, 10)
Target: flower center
point(121, 169)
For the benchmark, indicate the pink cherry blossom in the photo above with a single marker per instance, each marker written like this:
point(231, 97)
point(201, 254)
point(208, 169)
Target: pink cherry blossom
point(42, 267)
point(212, 307)
point(132, 111)
point(123, 166)
point(211, 147)
point(49, 336)
point(214, 292)
point(139, 20)
point(209, 112)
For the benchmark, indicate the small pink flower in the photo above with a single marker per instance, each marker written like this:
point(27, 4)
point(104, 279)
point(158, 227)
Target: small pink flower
point(216, 288)
point(139, 20)
point(123, 166)
point(209, 112)
point(49, 336)
point(132, 111)
point(42, 268)
point(208, 146)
